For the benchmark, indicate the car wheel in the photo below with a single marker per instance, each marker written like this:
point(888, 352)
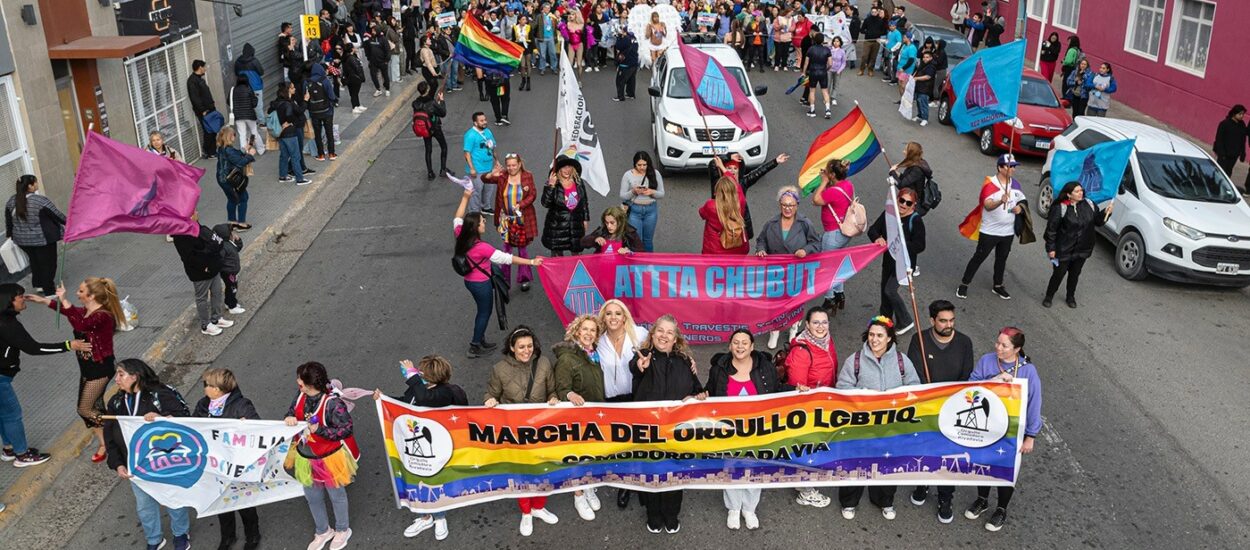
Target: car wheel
point(1130, 256)
point(987, 142)
point(1045, 197)
point(944, 112)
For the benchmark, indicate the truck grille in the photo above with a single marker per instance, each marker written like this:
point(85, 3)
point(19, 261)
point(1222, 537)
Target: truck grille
point(718, 134)
point(1209, 256)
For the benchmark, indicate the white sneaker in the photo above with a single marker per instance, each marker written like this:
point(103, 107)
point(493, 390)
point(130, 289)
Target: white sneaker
point(419, 525)
point(377, 93)
point(237, 310)
point(388, 94)
point(545, 515)
point(848, 513)
point(319, 541)
point(888, 512)
point(440, 529)
point(915, 271)
point(211, 330)
point(751, 520)
point(593, 498)
point(772, 339)
point(582, 504)
point(734, 521)
point(924, 123)
point(834, 101)
point(915, 119)
point(813, 498)
point(527, 525)
point(224, 323)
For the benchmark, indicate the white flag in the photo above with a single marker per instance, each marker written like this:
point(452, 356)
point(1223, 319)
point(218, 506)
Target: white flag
point(578, 137)
point(894, 237)
point(908, 101)
point(214, 465)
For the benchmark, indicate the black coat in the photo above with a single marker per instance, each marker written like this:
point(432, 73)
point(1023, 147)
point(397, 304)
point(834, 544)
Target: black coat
point(200, 96)
point(563, 229)
point(164, 401)
point(1070, 229)
point(1230, 139)
point(763, 374)
point(243, 101)
point(914, 178)
point(668, 378)
point(913, 233)
point(200, 254)
point(237, 406)
point(433, 107)
point(631, 240)
point(353, 70)
point(378, 50)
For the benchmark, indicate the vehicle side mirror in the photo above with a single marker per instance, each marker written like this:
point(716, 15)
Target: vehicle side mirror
point(653, 91)
point(1121, 190)
point(761, 90)
point(1065, 103)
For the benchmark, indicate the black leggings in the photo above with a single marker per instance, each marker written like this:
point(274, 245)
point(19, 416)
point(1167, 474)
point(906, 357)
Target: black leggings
point(251, 524)
point(353, 88)
point(1001, 246)
point(42, 267)
point(1004, 495)
point(386, 76)
point(1071, 268)
point(757, 56)
point(320, 126)
point(436, 133)
point(499, 103)
point(662, 508)
point(781, 54)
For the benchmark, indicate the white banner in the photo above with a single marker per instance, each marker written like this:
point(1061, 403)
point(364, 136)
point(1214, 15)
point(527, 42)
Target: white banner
point(908, 101)
point(894, 237)
point(214, 465)
point(578, 137)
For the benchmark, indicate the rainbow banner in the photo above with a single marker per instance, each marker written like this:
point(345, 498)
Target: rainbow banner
point(959, 433)
point(477, 47)
point(851, 140)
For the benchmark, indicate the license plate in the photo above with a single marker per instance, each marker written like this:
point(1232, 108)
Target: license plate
point(1227, 269)
point(1043, 144)
point(717, 150)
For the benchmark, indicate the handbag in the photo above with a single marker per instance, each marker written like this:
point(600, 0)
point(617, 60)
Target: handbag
point(308, 129)
point(15, 259)
point(237, 179)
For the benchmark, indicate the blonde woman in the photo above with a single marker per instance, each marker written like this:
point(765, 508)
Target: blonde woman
point(617, 345)
point(723, 226)
point(231, 166)
point(579, 380)
point(577, 39)
point(656, 31)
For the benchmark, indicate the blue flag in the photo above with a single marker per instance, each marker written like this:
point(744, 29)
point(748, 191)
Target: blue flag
point(987, 86)
point(1099, 169)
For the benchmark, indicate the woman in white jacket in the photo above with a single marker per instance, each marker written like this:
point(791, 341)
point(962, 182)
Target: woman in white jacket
point(959, 12)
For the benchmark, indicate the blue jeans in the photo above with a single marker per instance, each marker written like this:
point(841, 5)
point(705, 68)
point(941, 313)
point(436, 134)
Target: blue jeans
point(236, 203)
point(149, 512)
point(290, 159)
point(11, 429)
point(484, 296)
point(922, 107)
point(316, 497)
point(833, 240)
point(453, 74)
point(547, 51)
point(643, 218)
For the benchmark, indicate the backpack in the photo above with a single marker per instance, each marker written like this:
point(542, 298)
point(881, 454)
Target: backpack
point(213, 121)
point(274, 124)
point(421, 124)
point(901, 372)
point(932, 196)
point(856, 218)
point(318, 102)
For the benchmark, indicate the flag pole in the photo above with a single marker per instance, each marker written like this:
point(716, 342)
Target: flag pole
point(915, 311)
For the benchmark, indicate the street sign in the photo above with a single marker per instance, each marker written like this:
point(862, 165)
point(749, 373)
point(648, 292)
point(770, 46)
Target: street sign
point(312, 27)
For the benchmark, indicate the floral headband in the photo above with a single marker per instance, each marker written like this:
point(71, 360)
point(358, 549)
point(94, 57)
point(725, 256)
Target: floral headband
point(883, 320)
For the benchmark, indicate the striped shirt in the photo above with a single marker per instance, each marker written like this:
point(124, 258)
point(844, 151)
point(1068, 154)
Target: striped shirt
point(28, 231)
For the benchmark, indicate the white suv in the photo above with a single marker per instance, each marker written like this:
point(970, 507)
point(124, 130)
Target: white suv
point(1177, 214)
point(682, 140)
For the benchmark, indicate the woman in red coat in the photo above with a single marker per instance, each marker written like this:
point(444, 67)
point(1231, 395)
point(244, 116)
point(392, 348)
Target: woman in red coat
point(812, 362)
point(516, 221)
point(724, 231)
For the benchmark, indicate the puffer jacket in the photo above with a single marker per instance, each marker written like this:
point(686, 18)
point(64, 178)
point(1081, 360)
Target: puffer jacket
point(563, 229)
point(575, 372)
point(763, 374)
point(1070, 229)
point(243, 102)
point(669, 377)
point(510, 378)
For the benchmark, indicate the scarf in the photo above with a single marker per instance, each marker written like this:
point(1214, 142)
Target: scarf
point(217, 406)
point(822, 343)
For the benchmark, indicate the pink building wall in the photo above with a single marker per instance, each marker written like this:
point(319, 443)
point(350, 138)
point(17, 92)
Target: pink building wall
point(1194, 104)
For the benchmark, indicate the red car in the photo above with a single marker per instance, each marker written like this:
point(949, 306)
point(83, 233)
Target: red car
point(1040, 117)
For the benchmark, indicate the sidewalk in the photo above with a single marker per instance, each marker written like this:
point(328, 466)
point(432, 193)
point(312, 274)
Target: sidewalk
point(147, 269)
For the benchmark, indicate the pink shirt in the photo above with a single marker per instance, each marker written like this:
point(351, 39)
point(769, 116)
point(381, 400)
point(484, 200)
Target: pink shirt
point(735, 388)
point(839, 197)
point(480, 254)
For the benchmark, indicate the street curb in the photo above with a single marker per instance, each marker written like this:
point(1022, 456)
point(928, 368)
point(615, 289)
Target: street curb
point(173, 342)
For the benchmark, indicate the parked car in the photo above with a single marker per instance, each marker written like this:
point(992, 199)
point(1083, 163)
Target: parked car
point(1177, 215)
point(685, 140)
point(957, 46)
point(1040, 117)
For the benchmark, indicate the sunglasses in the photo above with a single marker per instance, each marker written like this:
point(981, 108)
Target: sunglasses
point(512, 156)
point(905, 202)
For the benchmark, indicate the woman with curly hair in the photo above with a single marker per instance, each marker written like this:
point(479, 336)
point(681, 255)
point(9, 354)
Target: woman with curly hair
point(579, 380)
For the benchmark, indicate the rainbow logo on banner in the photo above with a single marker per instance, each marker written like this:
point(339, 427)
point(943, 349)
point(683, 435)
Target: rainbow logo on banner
point(926, 435)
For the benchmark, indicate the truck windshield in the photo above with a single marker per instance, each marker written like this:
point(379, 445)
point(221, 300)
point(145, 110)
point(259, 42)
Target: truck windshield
point(679, 87)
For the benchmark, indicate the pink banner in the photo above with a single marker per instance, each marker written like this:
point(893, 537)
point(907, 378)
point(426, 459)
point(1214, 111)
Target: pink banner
point(711, 296)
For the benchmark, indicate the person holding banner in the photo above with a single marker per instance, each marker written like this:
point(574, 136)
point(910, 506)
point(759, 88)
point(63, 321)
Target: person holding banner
point(731, 166)
point(1005, 364)
point(664, 370)
point(323, 458)
point(723, 225)
point(617, 346)
point(811, 361)
point(614, 236)
point(524, 376)
point(789, 232)
point(879, 366)
point(568, 208)
point(1070, 238)
point(893, 305)
point(222, 399)
point(579, 380)
point(834, 196)
point(141, 393)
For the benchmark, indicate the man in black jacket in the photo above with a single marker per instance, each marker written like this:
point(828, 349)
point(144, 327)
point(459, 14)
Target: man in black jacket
point(378, 52)
point(626, 64)
point(201, 256)
point(201, 98)
point(16, 340)
point(873, 28)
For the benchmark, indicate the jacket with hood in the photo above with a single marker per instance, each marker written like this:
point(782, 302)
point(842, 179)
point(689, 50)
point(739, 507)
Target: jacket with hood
point(243, 102)
point(377, 50)
point(668, 377)
point(200, 254)
point(914, 177)
point(200, 95)
point(510, 378)
point(575, 372)
point(15, 339)
point(236, 406)
point(808, 365)
point(247, 65)
point(418, 394)
point(319, 105)
point(353, 70)
point(763, 375)
point(230, 248)
point(163, 400)
point(894, 369)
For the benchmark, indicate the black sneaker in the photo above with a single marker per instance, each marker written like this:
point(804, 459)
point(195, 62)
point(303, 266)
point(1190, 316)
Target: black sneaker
point(475, 351)
point(1072, 303)
point(1047, 301)
point(996, 521)
point(618, 99)
point(31, 457)
point(487, 346)
point(945, 514)
point(525, 287)
point(962, 291)
point(828, 305)
point(429, 175)
point(1001, 292)
point(8, 455)
point(654, 529)
point(309, 171)
point(979, 506)
point(287, 179)
point(674, 528)
point(919, 495)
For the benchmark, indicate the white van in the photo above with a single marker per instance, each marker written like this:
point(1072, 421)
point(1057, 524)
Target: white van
point(1177, 214)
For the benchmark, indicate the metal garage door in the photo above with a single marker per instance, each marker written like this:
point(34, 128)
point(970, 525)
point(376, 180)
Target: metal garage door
point(259, 26)
point(158, 92)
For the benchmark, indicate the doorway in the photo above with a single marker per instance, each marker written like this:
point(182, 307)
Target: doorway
point(74, 138)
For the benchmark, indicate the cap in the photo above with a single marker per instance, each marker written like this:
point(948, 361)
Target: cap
point(1007, 159)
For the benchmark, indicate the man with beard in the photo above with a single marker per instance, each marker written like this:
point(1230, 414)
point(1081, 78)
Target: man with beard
point(947, 357)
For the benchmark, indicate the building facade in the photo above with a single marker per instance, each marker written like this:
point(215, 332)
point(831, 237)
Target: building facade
point(1175, 60)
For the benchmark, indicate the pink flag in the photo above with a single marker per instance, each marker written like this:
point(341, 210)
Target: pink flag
point(716, 92)
point(121, 188)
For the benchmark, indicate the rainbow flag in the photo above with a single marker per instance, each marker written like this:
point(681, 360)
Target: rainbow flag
point(477, 47)
point(970, 228)
point(851, 139)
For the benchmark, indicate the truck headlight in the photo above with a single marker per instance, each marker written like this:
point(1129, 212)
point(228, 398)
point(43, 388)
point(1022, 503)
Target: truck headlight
point(1183, 229)
point(674, 128)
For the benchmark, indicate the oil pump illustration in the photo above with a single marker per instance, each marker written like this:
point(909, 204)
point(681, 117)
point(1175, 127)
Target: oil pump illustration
point(969, 417)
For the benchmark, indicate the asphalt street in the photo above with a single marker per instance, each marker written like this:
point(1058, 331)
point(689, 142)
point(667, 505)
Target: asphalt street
point(1143, 383)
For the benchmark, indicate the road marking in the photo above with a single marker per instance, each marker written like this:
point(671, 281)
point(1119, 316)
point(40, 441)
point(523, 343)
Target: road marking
point(1054, 441)
point(369, 228)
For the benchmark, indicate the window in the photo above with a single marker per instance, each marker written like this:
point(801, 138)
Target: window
point(679, 86)
point(1088, 139)
point(1037, 9)
point(1067, 13)
point(1145, 27)
point(1191, 35)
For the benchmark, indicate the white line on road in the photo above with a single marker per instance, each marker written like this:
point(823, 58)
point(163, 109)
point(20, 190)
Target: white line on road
point(1060, 446)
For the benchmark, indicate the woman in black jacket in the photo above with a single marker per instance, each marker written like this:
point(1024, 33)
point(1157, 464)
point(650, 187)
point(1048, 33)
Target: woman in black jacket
point(664, 370)
point(1070, 237)
point(430, 101)
point(1230, 139)
point(615, 235)
point(353, 75)
point(223, 399)
point(913, 172)
point(893, 305)
point(291, 115)
point(743, 371)
point(568, 208)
